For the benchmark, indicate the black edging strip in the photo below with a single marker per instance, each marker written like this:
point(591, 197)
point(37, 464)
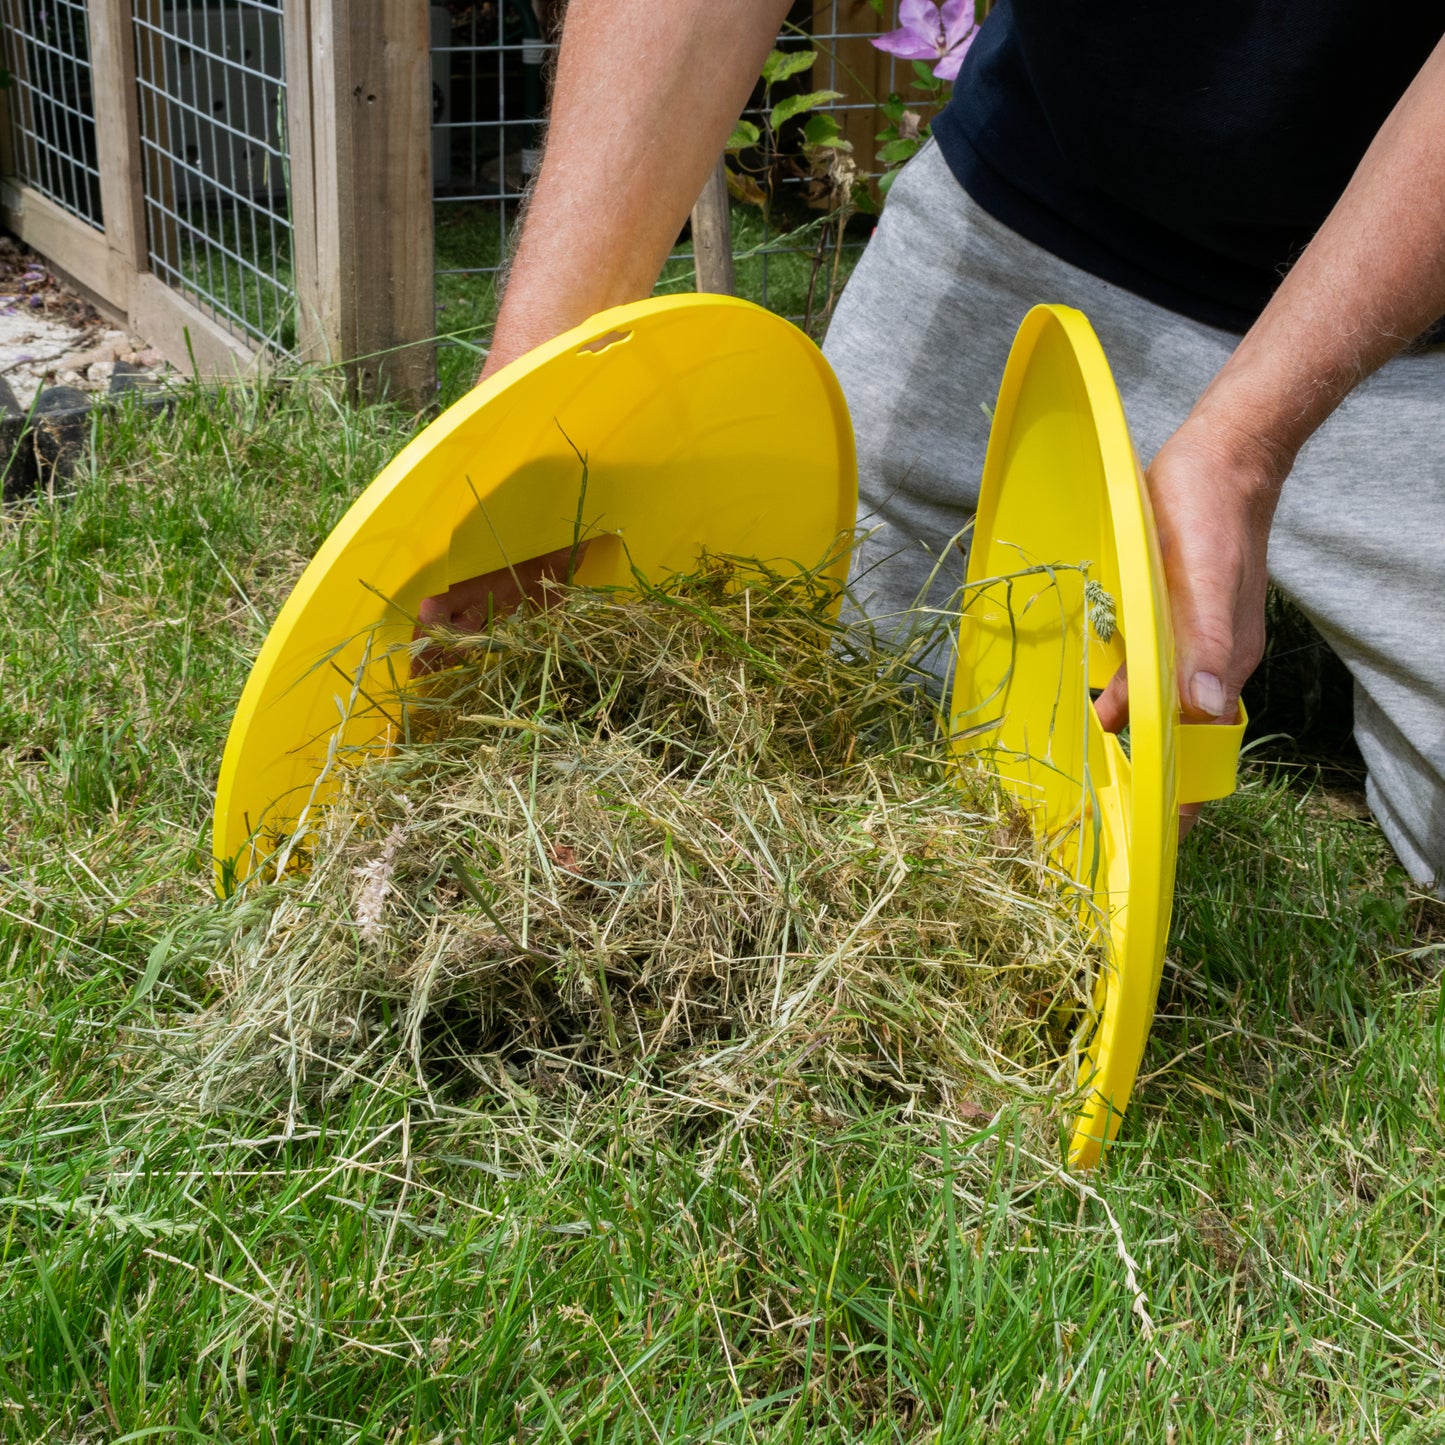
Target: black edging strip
point(40, 446)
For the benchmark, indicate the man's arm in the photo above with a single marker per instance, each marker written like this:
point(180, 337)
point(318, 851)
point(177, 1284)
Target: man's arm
point(646, 96)
point(1371, 281)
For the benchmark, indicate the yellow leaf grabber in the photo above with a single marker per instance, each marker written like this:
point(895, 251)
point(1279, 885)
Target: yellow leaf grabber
point(709, 423)
point(1065, 584)
point(706, 422)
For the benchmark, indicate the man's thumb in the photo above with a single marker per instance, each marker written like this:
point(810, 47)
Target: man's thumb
point(1206, 694)
point(1209, 674)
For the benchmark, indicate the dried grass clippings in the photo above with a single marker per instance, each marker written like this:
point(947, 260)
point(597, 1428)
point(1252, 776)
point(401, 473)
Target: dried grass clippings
point(707, 842)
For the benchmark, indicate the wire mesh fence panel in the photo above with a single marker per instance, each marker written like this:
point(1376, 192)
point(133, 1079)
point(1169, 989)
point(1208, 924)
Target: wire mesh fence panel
point(212, 101)
point(45, 45)
point(489, 64)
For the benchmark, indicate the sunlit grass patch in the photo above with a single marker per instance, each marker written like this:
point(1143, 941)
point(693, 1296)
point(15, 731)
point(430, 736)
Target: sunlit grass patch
point(490, 1262)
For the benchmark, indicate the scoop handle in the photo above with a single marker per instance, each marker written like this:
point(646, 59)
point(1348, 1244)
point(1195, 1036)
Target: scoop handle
point(1209, 758)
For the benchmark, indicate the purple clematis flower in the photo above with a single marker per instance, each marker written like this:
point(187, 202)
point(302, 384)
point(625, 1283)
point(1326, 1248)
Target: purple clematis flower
point(927, 31)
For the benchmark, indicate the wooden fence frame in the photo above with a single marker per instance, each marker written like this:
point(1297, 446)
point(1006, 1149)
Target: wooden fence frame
point(358, 112)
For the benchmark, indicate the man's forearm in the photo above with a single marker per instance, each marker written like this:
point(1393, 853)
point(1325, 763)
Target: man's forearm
point(646, 95)
point(1371, 281)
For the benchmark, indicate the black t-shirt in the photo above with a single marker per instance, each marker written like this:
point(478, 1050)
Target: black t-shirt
point(1185, 151)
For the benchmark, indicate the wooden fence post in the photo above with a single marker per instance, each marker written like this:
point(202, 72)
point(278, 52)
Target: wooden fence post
point(712, 235)
point(159, 234)
point(118, 144)
point(364, 269)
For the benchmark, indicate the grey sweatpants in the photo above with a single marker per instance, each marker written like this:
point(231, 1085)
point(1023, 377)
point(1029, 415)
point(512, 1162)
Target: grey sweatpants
point(919, 342)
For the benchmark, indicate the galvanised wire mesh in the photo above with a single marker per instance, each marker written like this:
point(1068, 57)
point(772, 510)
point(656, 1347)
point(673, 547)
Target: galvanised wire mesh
point(212, 93)
point(45, 45)
point(489, 64)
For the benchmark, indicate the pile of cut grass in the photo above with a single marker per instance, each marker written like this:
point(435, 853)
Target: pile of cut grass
point(710, 837)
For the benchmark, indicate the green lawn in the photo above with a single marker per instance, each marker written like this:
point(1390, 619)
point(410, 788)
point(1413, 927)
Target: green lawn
point(1260, 1260)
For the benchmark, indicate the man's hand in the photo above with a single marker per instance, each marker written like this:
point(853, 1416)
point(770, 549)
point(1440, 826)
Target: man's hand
point(470, 606)
point(473, 605)
point(1213, 510)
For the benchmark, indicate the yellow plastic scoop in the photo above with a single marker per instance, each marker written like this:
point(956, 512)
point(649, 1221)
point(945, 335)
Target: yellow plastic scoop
point(709, 423)
point(706, 422)
point(1065, 584)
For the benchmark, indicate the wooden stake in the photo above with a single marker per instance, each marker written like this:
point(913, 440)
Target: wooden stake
point(7, 153)
point(318, 336)
point(12, 54)
point(159, 234)
point(712, 235)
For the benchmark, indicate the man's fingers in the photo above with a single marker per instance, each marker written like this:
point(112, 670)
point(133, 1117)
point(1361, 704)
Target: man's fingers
point(470, 606)
point(1208, 694)
point(1214, 596)
point(1112, 705)
point(1216, 654)
point(1213, 533)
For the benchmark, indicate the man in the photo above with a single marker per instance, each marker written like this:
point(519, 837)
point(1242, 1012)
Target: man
point(1161, 167)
